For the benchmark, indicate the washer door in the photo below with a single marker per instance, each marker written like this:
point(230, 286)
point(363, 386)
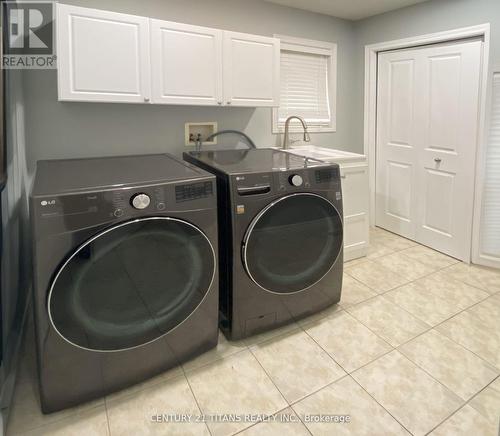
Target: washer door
point(131, 284)
point(293, 243)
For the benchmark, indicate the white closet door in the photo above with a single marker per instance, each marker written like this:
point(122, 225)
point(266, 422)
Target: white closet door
point(489, 231)
point(397, 142)
point(447, 150)
point(426, 144)
point(186, 64)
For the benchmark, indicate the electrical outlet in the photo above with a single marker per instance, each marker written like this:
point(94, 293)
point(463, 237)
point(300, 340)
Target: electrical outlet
point(202, 130)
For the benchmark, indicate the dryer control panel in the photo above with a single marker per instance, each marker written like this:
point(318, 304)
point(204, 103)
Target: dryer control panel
point(294, 180)
point(298, 179)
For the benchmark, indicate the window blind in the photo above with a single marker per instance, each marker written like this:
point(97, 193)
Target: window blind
point(304, 88)
point(490, 223)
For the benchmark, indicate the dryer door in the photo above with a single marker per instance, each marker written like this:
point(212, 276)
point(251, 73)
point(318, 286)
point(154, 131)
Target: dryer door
point(293, 243)
point(131, 284)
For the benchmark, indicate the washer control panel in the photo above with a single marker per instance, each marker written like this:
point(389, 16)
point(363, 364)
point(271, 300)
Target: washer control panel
point(296, 180)
point(140, 201)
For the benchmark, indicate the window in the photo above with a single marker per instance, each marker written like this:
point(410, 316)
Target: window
point(490, 223)
point(307, 85)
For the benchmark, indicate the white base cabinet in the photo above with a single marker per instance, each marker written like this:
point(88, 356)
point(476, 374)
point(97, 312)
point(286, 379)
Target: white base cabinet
point(355, 195)
point(112, 57)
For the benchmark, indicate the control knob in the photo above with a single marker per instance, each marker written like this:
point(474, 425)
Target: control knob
point(140, 201)
point(296, 180)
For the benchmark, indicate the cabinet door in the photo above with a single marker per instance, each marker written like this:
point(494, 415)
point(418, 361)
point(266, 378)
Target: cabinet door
point(356, 223)
point(102, 56)
point(251, 70)
point(186, 64)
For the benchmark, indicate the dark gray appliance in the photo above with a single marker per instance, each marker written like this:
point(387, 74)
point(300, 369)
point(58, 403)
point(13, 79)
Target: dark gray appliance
point(125, 261)
point(280, 236)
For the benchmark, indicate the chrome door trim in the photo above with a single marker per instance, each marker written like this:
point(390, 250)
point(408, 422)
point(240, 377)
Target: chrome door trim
point(98, 235)
point(256, 219)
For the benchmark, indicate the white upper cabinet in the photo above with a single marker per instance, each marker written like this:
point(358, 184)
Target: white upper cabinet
point(186, 64)
point(112, 57)
point(102, 56)
point(251, 70)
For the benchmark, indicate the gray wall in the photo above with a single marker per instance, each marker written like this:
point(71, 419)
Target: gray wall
point(429, 17)
point(62, 130)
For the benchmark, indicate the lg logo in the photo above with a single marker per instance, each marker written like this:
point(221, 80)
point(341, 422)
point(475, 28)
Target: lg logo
point(48, 202)
point(29, 27)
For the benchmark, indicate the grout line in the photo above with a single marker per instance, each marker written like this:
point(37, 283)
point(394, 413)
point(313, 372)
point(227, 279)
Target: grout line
point(348, 374)
point(359, 304)
point(343, 368)
point(290, 404)
point(410, 282)
point(436, 325)
point(107, 416)
point(435, 379)
point(293, 403)
point(383, 407)
point(277, 413)
point(483, 389)
point(200, 410)
point(467, 403)
point(270, 378)
point(279, 335)
point(217, 359)
point(464, 402)
point(274, 384)
point(446, 419)
point(431, 375)
point(71, 415)
point(301, 420)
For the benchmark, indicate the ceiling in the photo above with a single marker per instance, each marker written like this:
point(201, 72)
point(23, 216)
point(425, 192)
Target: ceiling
point(348, 9)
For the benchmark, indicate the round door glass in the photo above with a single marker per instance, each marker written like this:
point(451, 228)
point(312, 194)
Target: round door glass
point(131, 284)
point(293, 243)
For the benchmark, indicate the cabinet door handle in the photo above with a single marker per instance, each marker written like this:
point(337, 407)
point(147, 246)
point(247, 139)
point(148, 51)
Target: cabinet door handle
point(219, 102)
point(228, 102)
point(437, 160)
point(146, 98)
point(343, 177)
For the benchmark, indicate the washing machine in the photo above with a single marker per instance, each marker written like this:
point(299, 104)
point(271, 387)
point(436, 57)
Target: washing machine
point(125, 267)
point(280, 237)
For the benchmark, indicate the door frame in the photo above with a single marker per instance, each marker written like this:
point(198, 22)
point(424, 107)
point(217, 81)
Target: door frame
point(370, 105)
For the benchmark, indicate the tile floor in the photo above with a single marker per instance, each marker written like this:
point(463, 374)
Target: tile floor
point(412, 348)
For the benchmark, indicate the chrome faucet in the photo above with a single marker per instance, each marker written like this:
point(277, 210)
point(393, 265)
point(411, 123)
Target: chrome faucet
point(286, 139)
